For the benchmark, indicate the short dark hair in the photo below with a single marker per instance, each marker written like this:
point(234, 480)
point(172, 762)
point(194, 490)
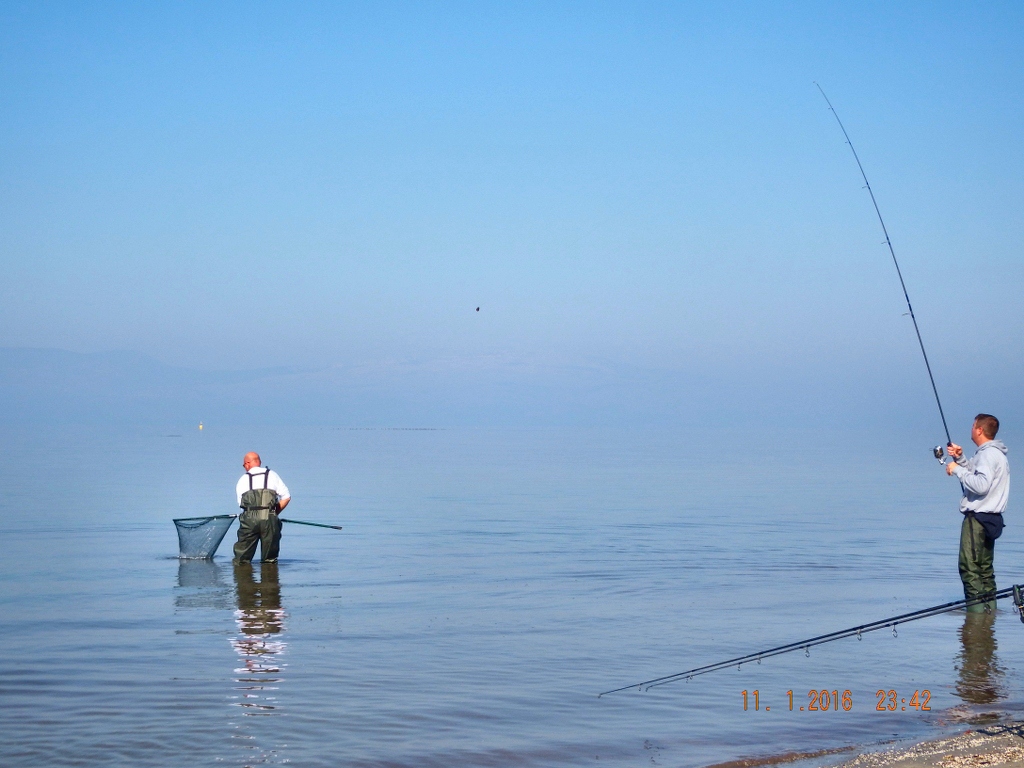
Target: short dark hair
point(988, 424)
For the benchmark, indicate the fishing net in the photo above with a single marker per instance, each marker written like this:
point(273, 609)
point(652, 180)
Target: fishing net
point(199, 537)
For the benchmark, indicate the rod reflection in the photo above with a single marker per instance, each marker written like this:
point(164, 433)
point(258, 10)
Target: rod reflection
point(260, 621)
point(980, 675)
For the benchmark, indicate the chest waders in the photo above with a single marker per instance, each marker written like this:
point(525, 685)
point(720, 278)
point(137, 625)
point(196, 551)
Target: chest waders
point(977, 549)
point(258, 523)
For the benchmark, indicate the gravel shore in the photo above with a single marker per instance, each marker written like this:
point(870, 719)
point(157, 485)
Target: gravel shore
point(996, 744)
point(1001, 745)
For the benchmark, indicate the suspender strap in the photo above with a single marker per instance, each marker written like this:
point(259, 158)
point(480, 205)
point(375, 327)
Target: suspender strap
point(266, 478)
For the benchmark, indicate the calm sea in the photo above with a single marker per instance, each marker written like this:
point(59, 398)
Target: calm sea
point(488, 584)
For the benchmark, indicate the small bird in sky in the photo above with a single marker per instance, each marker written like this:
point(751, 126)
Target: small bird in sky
point(478, 309)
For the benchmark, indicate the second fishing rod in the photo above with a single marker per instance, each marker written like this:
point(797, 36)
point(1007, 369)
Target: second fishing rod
point(891, 622)
point(937, 450)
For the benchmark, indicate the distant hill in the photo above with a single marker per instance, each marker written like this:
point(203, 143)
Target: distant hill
point(57, 385)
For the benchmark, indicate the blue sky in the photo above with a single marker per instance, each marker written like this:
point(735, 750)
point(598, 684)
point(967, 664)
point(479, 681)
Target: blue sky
point(636, 189)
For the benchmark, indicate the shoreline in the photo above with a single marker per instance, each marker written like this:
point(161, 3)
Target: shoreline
point(998, 743)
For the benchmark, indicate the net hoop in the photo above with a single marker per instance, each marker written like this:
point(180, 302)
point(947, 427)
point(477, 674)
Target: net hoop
point(199, 537)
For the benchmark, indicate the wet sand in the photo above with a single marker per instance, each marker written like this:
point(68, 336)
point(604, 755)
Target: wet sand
point(991, 745)
point(996, 744)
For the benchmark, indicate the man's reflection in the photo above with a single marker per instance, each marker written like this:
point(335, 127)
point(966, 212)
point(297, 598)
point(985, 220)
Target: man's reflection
point(980, 674)
point(260, 621)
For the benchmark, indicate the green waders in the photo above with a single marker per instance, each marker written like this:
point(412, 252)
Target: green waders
point(258, 524)
point(976, 556)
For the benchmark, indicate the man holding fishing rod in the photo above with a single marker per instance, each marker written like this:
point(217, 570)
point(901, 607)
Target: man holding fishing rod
point(985, 479)
point(261, 494)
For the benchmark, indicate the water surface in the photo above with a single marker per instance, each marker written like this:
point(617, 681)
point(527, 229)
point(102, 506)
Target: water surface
point(487, 585)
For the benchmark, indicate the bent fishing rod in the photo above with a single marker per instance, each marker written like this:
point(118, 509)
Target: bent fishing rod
point(1016, 591)
point(949, 441)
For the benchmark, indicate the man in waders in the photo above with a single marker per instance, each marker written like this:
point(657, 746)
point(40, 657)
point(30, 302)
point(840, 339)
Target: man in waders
point(261, 495)
point(985, 479)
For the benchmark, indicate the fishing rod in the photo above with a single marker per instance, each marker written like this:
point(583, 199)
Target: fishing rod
point(949, 441)
point(303, 522)
point(1016, 591)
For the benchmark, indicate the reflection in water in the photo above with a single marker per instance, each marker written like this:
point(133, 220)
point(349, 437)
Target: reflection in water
point(201, 585)
point(980, 676)
point(260, 620)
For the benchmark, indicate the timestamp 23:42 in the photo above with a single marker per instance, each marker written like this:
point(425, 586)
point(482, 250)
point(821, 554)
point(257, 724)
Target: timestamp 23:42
point(836, 701)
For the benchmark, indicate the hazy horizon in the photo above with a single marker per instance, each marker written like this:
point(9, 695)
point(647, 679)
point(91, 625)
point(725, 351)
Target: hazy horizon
point(650, 204)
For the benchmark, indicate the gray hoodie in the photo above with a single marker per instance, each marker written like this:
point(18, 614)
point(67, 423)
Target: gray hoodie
point(985, 478)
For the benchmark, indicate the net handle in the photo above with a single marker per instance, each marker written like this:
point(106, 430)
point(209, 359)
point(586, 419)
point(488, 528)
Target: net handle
point(204, 517)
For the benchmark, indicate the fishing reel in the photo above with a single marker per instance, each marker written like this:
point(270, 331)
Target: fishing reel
point(1018, 599)
point(938, 453)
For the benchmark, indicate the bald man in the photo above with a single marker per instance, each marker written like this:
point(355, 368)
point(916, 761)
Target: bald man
point(261, 494)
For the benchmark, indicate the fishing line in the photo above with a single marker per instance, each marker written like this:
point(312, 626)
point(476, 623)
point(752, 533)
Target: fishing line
point(888, 242)
point(1016, 591)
